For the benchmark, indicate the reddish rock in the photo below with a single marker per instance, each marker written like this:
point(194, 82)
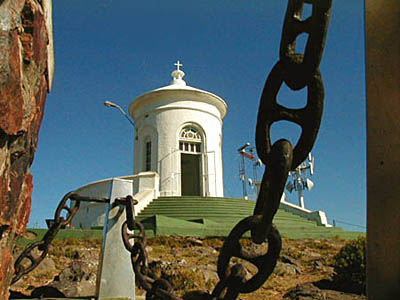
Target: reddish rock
point(24, 83)
point(25, 205)
point(5, 270)
point(11, 101)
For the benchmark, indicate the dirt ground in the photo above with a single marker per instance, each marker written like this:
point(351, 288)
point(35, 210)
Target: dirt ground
point(188, 263)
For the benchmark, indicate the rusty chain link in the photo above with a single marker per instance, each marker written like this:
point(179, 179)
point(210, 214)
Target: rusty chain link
point(296, 71)
point(301, 67)
point(44, 244)
point(156, 288)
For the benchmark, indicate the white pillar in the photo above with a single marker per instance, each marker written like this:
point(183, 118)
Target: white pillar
point(115, 278)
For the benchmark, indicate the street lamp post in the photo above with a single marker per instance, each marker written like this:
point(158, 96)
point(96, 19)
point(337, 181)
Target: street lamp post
point(112, 104)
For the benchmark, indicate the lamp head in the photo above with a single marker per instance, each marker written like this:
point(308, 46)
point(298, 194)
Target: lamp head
point(110, 104)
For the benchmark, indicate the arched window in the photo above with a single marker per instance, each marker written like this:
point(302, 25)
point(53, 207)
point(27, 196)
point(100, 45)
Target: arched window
point(190, 140)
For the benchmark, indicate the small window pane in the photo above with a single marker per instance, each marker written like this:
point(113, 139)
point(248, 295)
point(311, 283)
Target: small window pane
point(148, 156)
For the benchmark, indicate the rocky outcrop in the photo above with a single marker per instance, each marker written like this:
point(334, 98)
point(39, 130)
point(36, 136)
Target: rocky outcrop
point(26, 66)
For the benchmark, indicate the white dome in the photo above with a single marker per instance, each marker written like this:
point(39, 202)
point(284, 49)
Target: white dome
point(179, 85)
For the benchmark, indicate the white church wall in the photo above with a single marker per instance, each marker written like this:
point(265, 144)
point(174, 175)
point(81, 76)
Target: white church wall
point(177, 98)
point(145, 189)
point(168, 110)
point(146, 132)
point(92, 214)
point(171, 123)
point(146, 181)
point(89, 216)
point(169, 115)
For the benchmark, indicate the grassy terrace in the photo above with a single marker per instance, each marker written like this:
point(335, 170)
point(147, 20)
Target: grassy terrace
point(63, 234)
point(217, 216)
point(193, 216)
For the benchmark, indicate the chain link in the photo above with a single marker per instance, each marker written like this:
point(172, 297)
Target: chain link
point(42, 246)
point(301, 67)
point(309, 117)
point(156, 288)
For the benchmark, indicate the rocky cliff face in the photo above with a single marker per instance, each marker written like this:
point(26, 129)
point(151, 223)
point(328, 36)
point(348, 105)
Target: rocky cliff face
point(25, 79)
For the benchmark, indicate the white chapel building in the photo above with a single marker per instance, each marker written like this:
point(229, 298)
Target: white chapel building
point(177, 152)
point(177, 149)
point(179, 136)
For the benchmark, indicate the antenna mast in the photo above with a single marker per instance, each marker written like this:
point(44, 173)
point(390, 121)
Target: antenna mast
point(299, 181)
point(242, 167)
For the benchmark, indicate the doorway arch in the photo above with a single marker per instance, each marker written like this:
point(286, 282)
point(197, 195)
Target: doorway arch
point(191, 145)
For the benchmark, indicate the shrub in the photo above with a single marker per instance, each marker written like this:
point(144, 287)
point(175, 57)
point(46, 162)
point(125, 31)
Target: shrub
point(349, 265)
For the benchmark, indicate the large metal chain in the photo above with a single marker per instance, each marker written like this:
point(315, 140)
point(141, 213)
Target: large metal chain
point(42, 246)
point(296, 71)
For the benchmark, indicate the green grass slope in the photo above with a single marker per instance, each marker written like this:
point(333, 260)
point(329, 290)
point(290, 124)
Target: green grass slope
point(194, 216)
point(208, 216)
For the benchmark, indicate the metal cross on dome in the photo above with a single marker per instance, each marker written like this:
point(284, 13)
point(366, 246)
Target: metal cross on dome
point(178, 64)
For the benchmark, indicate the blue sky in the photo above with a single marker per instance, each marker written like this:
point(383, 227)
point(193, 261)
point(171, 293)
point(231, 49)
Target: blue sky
point(117, 50)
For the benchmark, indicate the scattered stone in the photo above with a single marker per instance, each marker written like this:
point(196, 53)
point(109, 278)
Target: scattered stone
point(89, 255)
point(194, 241)
point(77, 280)
point(173, 251)
point(209, 272)
point(291, 261)
point(318, 265)
point(309, 291)
point(47, 265)
point(286, 269)
point(181, 262)
point(310, 255)
point(205, 251)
